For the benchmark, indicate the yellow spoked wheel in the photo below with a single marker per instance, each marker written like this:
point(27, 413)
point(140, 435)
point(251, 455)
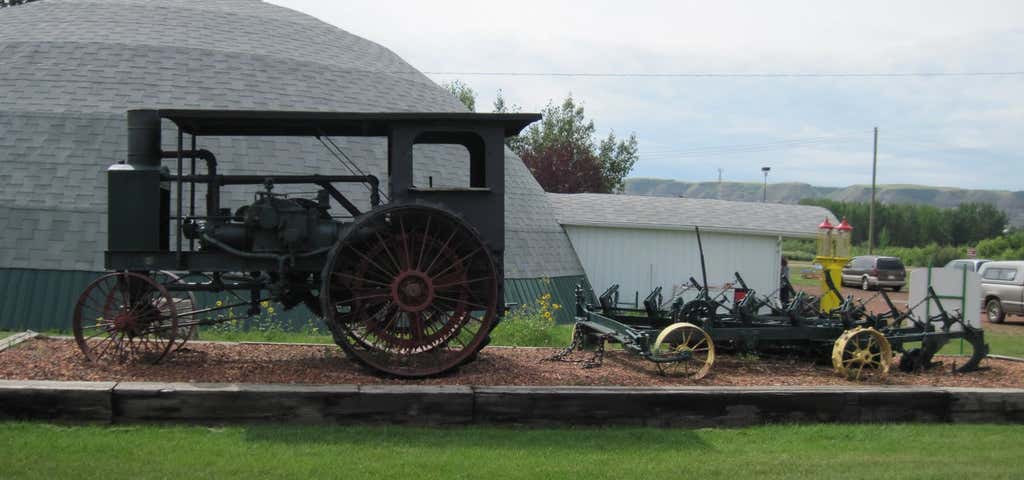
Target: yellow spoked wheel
point(862, 353)
point(683, 349)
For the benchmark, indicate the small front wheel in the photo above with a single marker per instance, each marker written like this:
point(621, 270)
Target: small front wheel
point(861, 353)
point(683, 349)
point(126, 316)
point(864, 284)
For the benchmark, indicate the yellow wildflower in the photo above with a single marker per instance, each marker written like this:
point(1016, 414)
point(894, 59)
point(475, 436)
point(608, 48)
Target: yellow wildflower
point(220, 303)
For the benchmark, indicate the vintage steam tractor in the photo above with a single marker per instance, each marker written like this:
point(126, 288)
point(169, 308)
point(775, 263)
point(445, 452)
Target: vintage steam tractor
point(411, 286)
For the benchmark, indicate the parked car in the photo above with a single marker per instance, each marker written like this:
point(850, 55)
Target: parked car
point(1002, 289)
point(871, 271)
point(971, 264)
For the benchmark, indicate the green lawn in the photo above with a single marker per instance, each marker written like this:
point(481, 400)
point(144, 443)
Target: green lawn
point(5, 333)
point(998, 344)
point(36, 450)
point(795, 277)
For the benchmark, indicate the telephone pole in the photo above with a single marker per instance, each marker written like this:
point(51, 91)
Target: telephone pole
point(764, 195)
point(719, 183)
point(871, 208)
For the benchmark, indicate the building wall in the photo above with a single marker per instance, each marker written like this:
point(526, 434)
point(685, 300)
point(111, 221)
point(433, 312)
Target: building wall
point(638, 260)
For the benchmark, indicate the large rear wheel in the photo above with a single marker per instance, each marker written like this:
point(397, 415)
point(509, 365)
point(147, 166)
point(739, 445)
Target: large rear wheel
point(410, 290)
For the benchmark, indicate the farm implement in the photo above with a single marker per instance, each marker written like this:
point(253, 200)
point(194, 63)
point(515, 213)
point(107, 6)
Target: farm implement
point(683, 339)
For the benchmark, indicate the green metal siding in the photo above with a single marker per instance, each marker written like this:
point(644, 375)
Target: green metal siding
point(44, 300)
point(40, 299)
point(562, 289)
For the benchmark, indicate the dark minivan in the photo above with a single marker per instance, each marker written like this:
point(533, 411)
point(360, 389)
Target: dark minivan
point(870, 271)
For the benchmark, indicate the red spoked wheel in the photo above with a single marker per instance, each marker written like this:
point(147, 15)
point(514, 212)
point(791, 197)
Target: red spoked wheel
point(126, 316)
point(410, 290)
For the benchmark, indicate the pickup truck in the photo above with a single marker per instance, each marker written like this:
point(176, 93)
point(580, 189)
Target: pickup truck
point(1002, 289)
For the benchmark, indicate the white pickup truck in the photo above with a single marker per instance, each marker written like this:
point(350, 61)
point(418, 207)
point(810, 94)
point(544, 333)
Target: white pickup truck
point(1002, 289)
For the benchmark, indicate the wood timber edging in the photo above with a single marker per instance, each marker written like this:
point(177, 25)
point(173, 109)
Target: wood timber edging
point(228, 403)
point(17, 338)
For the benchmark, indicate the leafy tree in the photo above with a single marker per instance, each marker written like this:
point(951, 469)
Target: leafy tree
point(462, 92)
point(11, 3)
point(910, 225)
point(566, 136)
point(516, 142)
point(562, 168)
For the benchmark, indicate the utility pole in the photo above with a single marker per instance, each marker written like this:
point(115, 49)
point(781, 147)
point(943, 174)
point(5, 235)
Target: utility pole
point(764, 195)
point(871, 208)
point(719, 183)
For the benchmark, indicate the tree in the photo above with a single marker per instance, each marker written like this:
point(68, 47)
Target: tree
point(12, 3)
point(561, 168)
point(514, 142)
point(565, 136)
point(910, 225)
point(462, 92)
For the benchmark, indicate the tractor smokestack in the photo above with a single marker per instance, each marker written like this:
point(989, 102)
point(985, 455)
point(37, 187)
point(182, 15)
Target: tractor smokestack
point(144, 139)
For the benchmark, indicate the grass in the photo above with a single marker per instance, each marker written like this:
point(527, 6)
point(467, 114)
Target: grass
point(37, 450)
point(557, 336)
point(795, 277)
point(273, 335)
point(998, 344)
point(5, 333)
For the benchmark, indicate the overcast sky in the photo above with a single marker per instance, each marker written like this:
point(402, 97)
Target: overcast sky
point(954, 131)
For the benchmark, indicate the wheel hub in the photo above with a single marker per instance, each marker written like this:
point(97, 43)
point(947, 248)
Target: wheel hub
point(124, 322)
point(413, 291)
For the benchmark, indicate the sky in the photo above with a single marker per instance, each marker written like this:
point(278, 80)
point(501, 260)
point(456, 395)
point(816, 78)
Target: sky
point(960, 131)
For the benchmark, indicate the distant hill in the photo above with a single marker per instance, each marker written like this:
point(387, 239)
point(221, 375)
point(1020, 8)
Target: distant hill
point(1010, 202)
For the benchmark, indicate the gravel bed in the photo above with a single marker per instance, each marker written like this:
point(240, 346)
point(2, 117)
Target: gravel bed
point(59, 359)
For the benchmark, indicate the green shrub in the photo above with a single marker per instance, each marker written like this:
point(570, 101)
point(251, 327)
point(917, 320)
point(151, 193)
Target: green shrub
point(1006, 247)
point(529, 325)
point(931, 254)
point(267, 326)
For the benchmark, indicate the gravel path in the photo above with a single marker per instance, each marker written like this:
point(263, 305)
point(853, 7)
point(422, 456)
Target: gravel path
point(59, 359)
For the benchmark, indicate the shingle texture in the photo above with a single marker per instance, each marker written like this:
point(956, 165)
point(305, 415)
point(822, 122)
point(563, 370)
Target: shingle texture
point(70, 69)
point(635, 211)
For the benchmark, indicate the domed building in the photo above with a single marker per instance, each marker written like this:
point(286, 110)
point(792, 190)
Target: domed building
point(70, 69)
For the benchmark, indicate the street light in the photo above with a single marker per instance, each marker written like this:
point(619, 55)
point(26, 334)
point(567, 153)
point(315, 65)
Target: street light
point(764, 196)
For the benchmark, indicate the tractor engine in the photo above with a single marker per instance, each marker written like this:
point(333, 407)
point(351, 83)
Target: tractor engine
point(273, 223)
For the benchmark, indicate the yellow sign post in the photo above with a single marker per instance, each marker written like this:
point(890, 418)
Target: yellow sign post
point(833, 254)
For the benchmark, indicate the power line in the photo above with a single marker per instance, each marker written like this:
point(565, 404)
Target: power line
point(782, 143)
point(737, 150)
point(1011, 73)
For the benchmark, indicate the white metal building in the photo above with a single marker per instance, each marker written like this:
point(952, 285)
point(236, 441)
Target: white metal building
point(642, 242)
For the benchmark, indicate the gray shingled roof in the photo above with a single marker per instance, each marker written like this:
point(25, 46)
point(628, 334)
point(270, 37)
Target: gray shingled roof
point(70, 69)
point(671, 213)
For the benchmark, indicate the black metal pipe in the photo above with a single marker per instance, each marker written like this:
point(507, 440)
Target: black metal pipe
point(192, 193)
point(213, 189)
point(277, 179)
point(143, 139)
point(178, 235)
